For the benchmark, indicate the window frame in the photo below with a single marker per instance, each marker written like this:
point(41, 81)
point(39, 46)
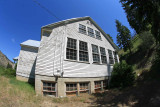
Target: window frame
point(90, 32)
point(71, 87)
point(111, 59)
point(115, 57)
point(95, 53)
point(82, 29)
point(83, 51)
point(97, 85)
point(85, 87)
point(103, 55)
point(98, 35)
point(72, 49)
point(49, 91)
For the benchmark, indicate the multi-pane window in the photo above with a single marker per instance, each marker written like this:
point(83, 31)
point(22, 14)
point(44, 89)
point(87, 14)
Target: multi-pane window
point(98, 36)
point(84, 86)
point(90, 32)
point(95, 54)
point(83, 51)
point(111, 61)
point(97, 84)
point(71, 87)
point(103, 55)
point(49, 88)
point(105, 83)
point(71, 52)
point(115, 56)
point(82, 29)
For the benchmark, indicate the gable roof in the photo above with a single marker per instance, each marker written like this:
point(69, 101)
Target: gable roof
point(32, 43)
point(68, 21)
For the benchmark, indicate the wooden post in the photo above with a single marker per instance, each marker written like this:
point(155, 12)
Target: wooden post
point(78, 88)
point(101, 85)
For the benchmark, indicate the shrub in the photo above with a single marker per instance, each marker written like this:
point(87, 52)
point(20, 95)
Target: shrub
point(147, 41)
point(7, 72)
point(9, 65)
point(122, 75)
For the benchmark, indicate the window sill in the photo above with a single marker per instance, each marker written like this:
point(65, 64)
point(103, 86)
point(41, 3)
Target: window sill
point(83, 62)
point(76, 61)
point(97, 63)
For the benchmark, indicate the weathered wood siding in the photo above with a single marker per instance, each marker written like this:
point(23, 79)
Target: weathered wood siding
point(52, 53)
point(27, 61)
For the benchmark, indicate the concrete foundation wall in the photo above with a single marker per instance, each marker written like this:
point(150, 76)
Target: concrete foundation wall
point(61, 83)
point(25, 79)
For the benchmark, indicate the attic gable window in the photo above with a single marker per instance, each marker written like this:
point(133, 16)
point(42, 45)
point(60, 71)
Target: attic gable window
point(115, 56)
point(83, 51)
point(90, 32)
point(110, 57)
point(103, 55)
point(82, 29)
point(71, 52)
point(95, 54)
point(98, 36)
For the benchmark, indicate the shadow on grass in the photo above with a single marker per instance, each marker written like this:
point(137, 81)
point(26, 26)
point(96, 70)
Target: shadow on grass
point(145, 93)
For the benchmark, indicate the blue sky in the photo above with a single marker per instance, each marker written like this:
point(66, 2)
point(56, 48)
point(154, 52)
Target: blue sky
point(21, 20)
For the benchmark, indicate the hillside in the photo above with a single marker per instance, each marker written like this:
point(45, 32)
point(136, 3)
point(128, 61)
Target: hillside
point(4, 61)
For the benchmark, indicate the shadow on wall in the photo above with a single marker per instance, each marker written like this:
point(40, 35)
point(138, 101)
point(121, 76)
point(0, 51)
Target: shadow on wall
point(31, 79)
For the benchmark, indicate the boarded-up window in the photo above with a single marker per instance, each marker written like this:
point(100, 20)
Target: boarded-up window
point(103, 55)
point(82, 29)
point(95, 54)
point(49, 88)
point(90, 32)
point(98, 36)
point(83, 51)
point(111, 61)
point(71, 49)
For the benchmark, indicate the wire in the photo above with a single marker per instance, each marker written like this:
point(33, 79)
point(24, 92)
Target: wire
point(46, 10)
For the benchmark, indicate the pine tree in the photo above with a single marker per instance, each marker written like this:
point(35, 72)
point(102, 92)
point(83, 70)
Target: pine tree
point(123, 37)
point(141, 14)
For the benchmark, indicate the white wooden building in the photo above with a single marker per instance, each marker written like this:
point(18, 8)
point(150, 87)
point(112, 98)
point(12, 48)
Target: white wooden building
point(74, 56)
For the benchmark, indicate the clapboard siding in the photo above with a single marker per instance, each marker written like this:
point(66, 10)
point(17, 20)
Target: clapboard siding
point(27, 61)
point(49, 58)
point(52, 53)
point(77, 69)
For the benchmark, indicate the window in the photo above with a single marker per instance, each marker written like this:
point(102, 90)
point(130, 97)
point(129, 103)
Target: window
point(105, 83)
point(115, 56)
point(98, 36)
point(82, 29)
point(49, 88)
point(97, 84)
point(110, 57)
point(83, 51)
point(90, 32)
point(84, 86)
point(71, 87)
point(71, 49)
point(103, 55)
point(95, 54)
